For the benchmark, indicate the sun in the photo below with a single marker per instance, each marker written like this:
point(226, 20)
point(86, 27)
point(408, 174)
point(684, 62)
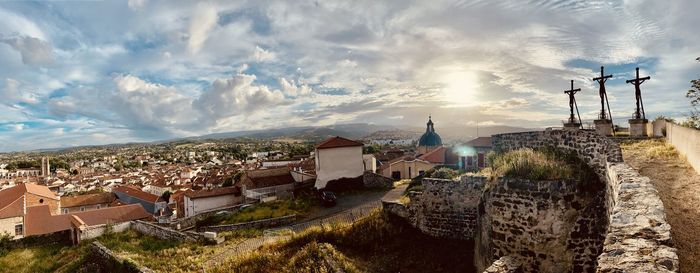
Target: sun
point(460, 87)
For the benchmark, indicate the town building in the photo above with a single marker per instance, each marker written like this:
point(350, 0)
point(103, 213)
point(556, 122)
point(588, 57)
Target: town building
point(71, 204)
point(267, 184)
point(473, 158)
point(153, 204)
point(337, 158)
point(196, 202)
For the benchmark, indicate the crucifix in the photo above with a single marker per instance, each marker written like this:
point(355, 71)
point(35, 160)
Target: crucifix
point(572, 103)
point(638, 114)
point(603, 96)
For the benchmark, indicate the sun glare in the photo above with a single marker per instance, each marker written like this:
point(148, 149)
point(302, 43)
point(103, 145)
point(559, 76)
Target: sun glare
point(460, 87)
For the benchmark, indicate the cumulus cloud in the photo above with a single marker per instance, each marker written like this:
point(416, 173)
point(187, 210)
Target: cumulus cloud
point(202, 22)
point(292, 89)
point(34, 51)
point(262, 55)
point(234, 96)
point(136, 4)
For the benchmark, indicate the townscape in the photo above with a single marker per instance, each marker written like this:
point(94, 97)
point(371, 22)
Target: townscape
point(149, 136)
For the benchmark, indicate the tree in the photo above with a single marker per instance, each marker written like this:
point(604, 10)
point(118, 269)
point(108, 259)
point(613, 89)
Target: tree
point(166, 196)
point(694, 96)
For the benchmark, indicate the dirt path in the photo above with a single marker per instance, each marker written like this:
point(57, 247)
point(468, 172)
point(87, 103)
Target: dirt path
point(679, 187)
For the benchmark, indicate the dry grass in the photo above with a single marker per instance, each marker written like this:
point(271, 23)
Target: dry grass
point(652, 148)
point(379, 243)
point(540, 164)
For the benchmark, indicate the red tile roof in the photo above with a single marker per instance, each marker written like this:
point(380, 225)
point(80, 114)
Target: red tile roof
point(267, 178)
point(87, 200)
point(480, 142)
point(336, 142)
point(137, 193)
point(40, 221)
point(211, 193)
point(14, 209)
point(436, 156)
point(12, 199)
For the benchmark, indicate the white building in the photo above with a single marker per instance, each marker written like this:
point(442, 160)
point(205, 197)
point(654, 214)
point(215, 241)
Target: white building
point(337, 158)
point(196, 202)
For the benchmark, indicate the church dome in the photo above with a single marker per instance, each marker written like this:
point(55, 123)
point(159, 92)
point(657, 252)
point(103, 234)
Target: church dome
point(430, 138)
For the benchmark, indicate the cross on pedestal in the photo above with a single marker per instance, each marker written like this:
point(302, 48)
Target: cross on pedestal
point(638, 114)
point(603, 96)
point(572, 103)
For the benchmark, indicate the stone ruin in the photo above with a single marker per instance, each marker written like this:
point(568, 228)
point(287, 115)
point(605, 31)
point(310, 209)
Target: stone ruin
point(613, 224)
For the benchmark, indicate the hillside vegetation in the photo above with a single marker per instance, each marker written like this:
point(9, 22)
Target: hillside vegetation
point(379, 243)
point(538, 164)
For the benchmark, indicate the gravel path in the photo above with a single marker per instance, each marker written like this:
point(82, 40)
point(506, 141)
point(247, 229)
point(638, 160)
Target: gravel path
point(679, 187)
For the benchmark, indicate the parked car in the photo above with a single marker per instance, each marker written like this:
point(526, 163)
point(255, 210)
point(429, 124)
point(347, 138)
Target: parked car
point(328, 198)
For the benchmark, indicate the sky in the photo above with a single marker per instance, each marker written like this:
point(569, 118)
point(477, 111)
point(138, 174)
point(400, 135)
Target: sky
point(98, 72)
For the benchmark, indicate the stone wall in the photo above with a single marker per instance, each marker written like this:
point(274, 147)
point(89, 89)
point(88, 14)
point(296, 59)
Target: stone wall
point(638, 237)
point(445, 208)
point(98, 230)
point(100, 259)
point(265, 223)
point(549, 226)
point(590, 147)
point(553, 226)
point(505, 264)
point(687, 142)
point(165, 233)
point(189, 222)
point(373, 180)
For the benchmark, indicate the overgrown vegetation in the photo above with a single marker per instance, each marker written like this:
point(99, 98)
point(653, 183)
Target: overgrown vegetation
point(44, 258)
point(538, 164)
point(652, 148)
point(379, 243)
point(279, 208)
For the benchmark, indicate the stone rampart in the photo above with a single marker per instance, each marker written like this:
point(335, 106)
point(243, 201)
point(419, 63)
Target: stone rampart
point(165, 233)
point(265, 223)
point(101, 259)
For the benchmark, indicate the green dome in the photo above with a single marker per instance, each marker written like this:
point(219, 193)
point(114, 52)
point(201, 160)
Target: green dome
point(430, 137)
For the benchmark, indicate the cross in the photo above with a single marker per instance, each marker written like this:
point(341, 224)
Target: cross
point(572, 102)
point(638, 94)
point(603, 96)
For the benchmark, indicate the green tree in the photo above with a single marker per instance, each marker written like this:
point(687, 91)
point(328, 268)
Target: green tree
point(693, 95)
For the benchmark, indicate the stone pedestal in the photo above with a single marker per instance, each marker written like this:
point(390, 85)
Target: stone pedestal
point(603, 127)
point(638, 127)
point(572, 126)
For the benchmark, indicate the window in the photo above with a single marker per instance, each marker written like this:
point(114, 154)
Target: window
point(65, 211)
point(41, 201)
point(82, 208)
point(19, 230)
point(470, 161)
point(98, 206)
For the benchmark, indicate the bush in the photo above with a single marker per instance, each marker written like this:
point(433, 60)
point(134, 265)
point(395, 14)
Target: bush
point(5, 244)
point(540, 164)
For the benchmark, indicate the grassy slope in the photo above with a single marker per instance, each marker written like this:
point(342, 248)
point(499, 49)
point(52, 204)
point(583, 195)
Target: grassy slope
point(538, 164)
point(380, 243)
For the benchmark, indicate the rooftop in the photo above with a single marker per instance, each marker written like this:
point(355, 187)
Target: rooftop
point(337, 142)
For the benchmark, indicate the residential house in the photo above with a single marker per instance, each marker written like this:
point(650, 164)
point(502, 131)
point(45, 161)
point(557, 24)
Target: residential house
point(71, 204)
point(474, 157)
point(338, 158)
point(196, 202)
point(267, 184)
point(153, 204)
point(15, 201)
point(408, 167)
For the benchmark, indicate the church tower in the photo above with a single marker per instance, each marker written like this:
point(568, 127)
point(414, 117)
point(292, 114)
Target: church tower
point(430, 139)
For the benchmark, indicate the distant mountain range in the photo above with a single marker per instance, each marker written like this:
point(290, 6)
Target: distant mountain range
point(364, 131)
point(449, 133)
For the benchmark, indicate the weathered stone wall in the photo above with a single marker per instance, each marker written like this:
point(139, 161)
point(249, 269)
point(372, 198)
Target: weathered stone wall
point(376, 181)
point(265, 223)
point(638, 237)
point(188, 222)
point(549, 226)
point(165, 233)
point(96, 231)
point(447, 208)
point(505, 264)
point(590, 147)
point(102, 260)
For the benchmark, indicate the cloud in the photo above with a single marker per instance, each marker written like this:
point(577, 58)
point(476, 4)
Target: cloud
point(34, 51)
point(235, 96)
point(137, 4)
point(202, 22)
point(292, 89)
point(262, 55)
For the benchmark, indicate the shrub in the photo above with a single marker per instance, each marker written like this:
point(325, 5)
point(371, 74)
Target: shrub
point(540, 164)
point(5, 244)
